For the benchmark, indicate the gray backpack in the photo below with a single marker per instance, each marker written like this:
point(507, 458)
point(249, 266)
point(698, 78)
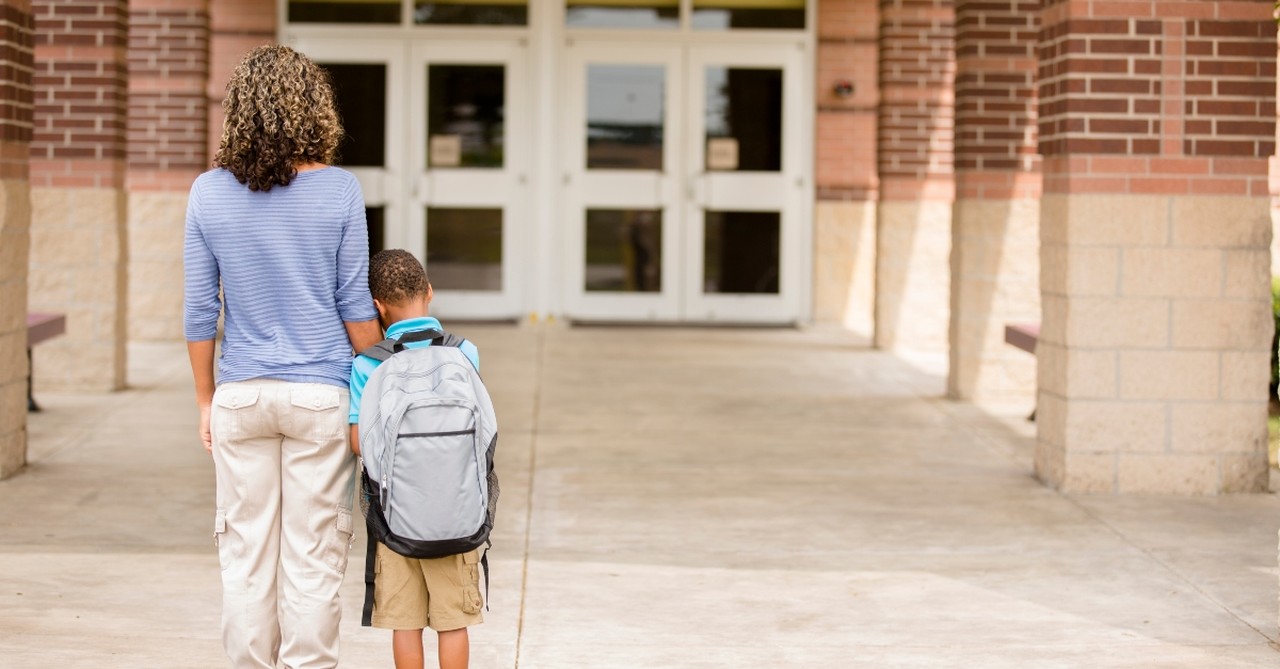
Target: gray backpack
point(427, 436)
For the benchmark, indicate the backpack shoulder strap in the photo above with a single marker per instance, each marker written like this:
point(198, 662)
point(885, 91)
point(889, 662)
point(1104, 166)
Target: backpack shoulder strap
point(381, 351)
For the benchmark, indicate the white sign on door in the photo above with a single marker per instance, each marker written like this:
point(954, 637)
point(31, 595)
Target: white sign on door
point(722, 153)
point(446, 151)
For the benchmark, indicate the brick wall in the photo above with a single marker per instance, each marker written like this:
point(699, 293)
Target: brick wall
point(80, 82)
point(996, 111)
point(168, 115)
point(236, 26)
point(916, 119)
point(1173, 98)
point(848, 39)
point(16, 93)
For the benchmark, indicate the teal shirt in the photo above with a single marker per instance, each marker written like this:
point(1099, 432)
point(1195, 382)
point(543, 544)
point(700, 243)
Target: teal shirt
point(362, 367)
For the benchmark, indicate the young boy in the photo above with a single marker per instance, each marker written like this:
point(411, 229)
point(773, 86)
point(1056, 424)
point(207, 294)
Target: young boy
point(411, 594)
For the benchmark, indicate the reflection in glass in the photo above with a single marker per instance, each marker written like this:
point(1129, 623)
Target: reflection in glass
point(472, 12)
point(625, 116)
point(464, 248)
point(361, 91)
point(741, 252)
point(351, 11)
point(642, 14)
point(745, 104)
point(624, 250)
point(748, 14)
point(465, 115)
point(374, 218)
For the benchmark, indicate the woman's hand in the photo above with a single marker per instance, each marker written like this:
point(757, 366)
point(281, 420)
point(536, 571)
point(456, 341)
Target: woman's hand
point(206, 436)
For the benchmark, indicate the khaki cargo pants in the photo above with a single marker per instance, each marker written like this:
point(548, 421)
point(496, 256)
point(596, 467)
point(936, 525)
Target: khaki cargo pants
point(285, 486)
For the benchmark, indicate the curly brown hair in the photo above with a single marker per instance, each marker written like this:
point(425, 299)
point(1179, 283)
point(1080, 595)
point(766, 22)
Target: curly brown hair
point(280, 113)
point(395, 276)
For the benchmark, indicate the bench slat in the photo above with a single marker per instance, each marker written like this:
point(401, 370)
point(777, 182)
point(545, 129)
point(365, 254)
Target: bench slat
point(42, 327)
point(1023, 336)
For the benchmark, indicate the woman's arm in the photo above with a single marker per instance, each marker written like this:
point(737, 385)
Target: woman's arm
point(363, 334)
point(201, 354)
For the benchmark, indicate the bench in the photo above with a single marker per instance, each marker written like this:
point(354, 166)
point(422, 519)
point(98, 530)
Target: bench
point(40, 328)
point(1023, 336)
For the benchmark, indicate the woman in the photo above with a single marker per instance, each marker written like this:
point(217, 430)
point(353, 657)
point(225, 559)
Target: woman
point(276, 243)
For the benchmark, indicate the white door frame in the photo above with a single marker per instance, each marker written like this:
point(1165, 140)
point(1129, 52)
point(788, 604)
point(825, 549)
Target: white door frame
point(504, 188)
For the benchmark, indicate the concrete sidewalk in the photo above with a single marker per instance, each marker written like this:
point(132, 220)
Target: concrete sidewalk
point(672, 499)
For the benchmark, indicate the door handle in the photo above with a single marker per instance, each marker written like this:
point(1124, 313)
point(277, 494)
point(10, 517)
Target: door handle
point(422, 188)
point(697, 192)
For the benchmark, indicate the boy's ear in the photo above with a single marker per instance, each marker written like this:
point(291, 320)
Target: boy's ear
point(382, 309)
point(430, 292)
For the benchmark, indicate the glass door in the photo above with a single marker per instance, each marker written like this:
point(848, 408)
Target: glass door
point(622, 130)
point(685, 182)
point(746, 187)
point(468, 155)
point(366, 80)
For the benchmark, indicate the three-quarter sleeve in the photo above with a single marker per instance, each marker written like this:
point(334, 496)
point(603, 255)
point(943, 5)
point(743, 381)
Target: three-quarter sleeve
point(355, 305)
point(201, 303)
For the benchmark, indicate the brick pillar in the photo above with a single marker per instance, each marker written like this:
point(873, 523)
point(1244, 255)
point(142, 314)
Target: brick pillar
point(845, 225)
point(917, 184)
point(15, 221)
point(995, 241)
point(78, 237)
point(236, 27)
point(168, 140)
point(1156, 123)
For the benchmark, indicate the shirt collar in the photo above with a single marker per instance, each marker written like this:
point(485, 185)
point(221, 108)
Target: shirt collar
point(412, 325)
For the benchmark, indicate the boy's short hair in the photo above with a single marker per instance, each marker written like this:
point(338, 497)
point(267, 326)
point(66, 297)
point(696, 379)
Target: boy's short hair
point(395, 276)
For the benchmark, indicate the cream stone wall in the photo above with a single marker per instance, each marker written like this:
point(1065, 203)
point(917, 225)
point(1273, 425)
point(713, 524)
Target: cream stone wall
point(844, 271)
point(913, 275)
point(15, 218)
point(156, 221)
point(78, 267)
point(1154, 352)
point(995, 265)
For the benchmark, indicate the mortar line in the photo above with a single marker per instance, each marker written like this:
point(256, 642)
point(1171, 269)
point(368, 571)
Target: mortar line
point(528, 506)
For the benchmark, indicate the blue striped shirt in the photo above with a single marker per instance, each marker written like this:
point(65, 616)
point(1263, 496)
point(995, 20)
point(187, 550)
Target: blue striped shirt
point(292, 264)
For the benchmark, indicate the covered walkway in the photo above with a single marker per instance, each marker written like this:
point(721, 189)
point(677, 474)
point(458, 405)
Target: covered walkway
point(673, 499)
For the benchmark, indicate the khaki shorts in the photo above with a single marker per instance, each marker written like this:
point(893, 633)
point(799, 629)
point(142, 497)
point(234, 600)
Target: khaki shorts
point(440, 593)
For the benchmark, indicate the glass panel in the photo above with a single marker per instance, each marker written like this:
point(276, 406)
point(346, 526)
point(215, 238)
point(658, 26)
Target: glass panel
point(362, 103)
point(659, 14)
point(625, 116)
point(351, 11)
point(740, 252)
point(375, 218)
point(624, 250)
point(748, 14)
point(472, 12)
point(744, 119)
point(464, 248)
point(465, 115)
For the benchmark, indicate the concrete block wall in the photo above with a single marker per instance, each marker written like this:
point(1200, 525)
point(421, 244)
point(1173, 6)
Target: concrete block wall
point(16, 29)
point(995, 240)
point(916, 176)
point(78, 238)
point(1156, 238)
point(167, 148)
point(845, 164)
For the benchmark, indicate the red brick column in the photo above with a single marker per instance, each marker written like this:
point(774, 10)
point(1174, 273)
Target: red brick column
point(995, 240)
point(15, 220)
point(917, 185)
point(845, 213)
point(1156, 123)
point(236, 27)
point(168, 140)
point(78, 243)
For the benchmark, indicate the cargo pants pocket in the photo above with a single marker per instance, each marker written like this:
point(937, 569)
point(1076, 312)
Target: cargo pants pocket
point(472, 602)
point(339, 545)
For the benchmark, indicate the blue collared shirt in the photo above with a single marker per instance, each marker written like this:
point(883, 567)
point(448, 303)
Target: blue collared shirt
point(362, 367)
